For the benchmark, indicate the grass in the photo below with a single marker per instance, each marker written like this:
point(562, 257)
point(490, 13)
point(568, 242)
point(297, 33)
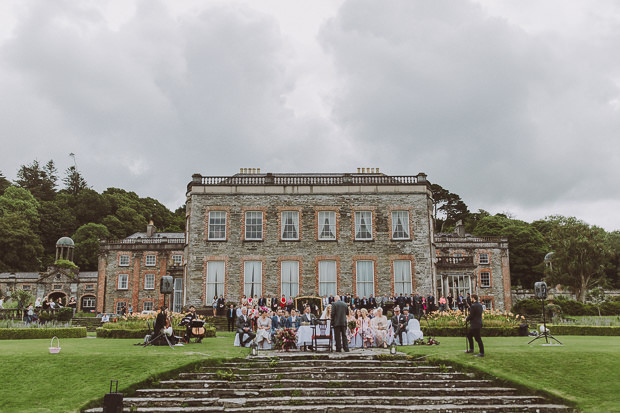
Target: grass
point(585, 371)
point(588, 320)
point(35, 381)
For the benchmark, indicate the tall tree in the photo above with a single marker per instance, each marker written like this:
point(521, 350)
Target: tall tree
point(4, 183)
point(39, 180)
point(448, 208)
point(580, 254)
point(74, 181)
point(86, 240)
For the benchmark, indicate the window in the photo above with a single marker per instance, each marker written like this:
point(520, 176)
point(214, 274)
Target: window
point(26, 287)
point(149, 281)
point(487, 303)
point(400, 224)
point(120, 305)
point(177, 295)
point(88, 302)
point(327, 225)
point(483, 258)
point(254, 225)
point(150, 260)
point(123, 260)
point(365, 278)
point(147, 306)
point(485, 279)
point(57, 287)
point(217, 225)
point(327, 278)
point(363, 225)
point(123, 280)
point(290, 278)
point(252, 278)
point(215, 279)
point(177, 259)
point(90, 287)
point(402, 277)
point(290, 225)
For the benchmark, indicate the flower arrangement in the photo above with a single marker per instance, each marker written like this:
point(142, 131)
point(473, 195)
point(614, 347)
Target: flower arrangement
point(285, 339)
point(352, 325)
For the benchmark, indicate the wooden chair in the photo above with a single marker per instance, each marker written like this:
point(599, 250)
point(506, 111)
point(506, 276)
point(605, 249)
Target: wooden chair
point(322, 331)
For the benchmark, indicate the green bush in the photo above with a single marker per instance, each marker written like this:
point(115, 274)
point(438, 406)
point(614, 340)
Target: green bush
point(105, 332)
point(527, 306)
point(569, 330)
point(60, 332)
point(460, 331)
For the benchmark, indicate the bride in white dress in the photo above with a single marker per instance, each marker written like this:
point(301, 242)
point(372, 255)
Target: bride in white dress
point(263, 328)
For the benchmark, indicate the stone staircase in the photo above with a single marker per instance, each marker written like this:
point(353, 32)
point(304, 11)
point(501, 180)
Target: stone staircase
point(357, 381)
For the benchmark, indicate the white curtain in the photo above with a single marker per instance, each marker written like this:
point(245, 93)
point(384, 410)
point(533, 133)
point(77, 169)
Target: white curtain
point(327, 278)
point(327, 225)
point(400, 224)
point(363, 225)
point(365, 277)
point(290, 278)
point(215, 280)
point(290, 225)
point(253, 278)
point(402, 277)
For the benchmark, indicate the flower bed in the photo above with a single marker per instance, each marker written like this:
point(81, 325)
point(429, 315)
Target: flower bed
point(490, 318)
point(24, 333)
point(135, 326)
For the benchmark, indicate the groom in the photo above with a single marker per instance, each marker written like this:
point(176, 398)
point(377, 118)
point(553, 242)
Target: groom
point(339, 322)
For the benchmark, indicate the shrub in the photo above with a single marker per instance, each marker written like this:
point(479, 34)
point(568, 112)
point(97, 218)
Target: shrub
point(569, 330)
point(527, 306)
point(139, 333)
point(460, 331)
point(23, 333)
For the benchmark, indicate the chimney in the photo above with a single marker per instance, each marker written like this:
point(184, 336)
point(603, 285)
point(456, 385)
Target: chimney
point(150, 229)
point(460, 229)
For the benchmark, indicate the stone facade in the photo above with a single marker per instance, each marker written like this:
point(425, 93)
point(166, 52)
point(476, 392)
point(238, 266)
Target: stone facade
point(130, 271)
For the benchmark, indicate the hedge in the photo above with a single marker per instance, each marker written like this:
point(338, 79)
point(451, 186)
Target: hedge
point(60, 332)
point(571, 330)
point(103, 332)
point(531, 306)
point(460, 331)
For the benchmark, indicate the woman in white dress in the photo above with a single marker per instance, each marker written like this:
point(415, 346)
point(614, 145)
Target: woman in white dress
point(364, 326)
point(327, 313)
point(263, 329)
point(379, 326)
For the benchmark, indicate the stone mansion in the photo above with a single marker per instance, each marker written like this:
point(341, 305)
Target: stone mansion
point(278, 234)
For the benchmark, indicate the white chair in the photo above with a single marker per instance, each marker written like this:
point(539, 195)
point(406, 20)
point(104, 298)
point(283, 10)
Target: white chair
point(413, 331)
point(237, 342)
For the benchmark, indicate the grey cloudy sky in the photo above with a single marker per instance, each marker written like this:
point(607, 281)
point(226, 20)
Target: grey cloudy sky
point(514, 105)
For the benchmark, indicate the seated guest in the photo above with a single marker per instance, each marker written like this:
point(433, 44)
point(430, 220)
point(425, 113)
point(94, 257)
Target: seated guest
point(308, 317)
point(399, 324)
point(244, 328)
point(364, 326)
point(294, 321)
point(263, 329)
point(187, 321)
point(380, 326)
point(105, 318)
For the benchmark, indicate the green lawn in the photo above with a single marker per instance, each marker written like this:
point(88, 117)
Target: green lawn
point(35, 381)
point(586, 370)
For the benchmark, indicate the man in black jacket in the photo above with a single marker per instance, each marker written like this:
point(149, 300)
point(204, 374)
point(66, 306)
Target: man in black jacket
point(339, 323)
point(231, 314)
point(244, 327)
point(399, 325)
point(475, 324)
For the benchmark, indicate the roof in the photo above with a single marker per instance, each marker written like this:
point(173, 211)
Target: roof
point(65, 241)
point(158, 235)
point(19, 275)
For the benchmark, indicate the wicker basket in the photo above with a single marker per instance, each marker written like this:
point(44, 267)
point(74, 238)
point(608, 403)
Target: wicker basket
point(52, 349)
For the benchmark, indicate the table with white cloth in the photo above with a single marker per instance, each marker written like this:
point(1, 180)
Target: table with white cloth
point(304, 336)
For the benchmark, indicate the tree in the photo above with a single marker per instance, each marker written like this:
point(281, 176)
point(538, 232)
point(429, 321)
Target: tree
point(74, 181)
point(4, 183)
point(86, 240)
point(527, 247)
point(448, 208)
point(57, 220)
point(580, 253)
point(39, 180)
point(20, 246)
point(597, 297)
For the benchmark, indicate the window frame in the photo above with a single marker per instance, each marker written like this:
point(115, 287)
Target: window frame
point(209, 282)
point(358, 225)
point(405, 225)
point(257, 228)
point(484, 262)
point(121, 277)
point(147, 259)
point(245, 279)
point(322, 282)
point(211, 226)
point(120, 260)
point(361, 272)
point(89, 298)
point(119, 305)
point(406, 264)
point(177, 262)
point(331, 225)
point(144, 303)
point(290, 282)
point(487, 273)
point(146, 281)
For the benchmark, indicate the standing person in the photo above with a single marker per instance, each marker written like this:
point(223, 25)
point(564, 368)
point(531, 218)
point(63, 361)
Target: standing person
point(468, 302)
point(214, 304)
point(221, 305)
point(339, 323)
point(475, 324)
point(231, 314)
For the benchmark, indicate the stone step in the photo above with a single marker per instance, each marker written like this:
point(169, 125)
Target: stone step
point(446, 388)
point(325, 363)
point(330, 369)
point(325, 408)
point(311, 374)
point(360, 399)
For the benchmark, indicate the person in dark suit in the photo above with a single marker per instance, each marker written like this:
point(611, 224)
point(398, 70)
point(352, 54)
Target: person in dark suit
point(475, 325)
point(308, 317)
point(399, 324)
point(372, 302)
point(339, 323)
point(231, 315)
point(262, 301)
point(244, 327)
point(364, 303)
point(294, 321)
point(356, 302)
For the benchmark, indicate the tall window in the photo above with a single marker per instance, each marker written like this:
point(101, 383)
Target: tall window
point(147, 306)
point(177, 295)
point(254, 225)
point(252, 278)
point(150, 260)
point(327, 225)
point(327, 278)
point(400, 224)
point(483, 258)
point(122, 281)
point(363, 225)
point(485, 279)
point(149, 281)
point(365, 278)
point(290, 278)
point(402, 277)
point(123, 260)
point(120, 305)
point(217, 225)
point(215, 279)
point(290, 225)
